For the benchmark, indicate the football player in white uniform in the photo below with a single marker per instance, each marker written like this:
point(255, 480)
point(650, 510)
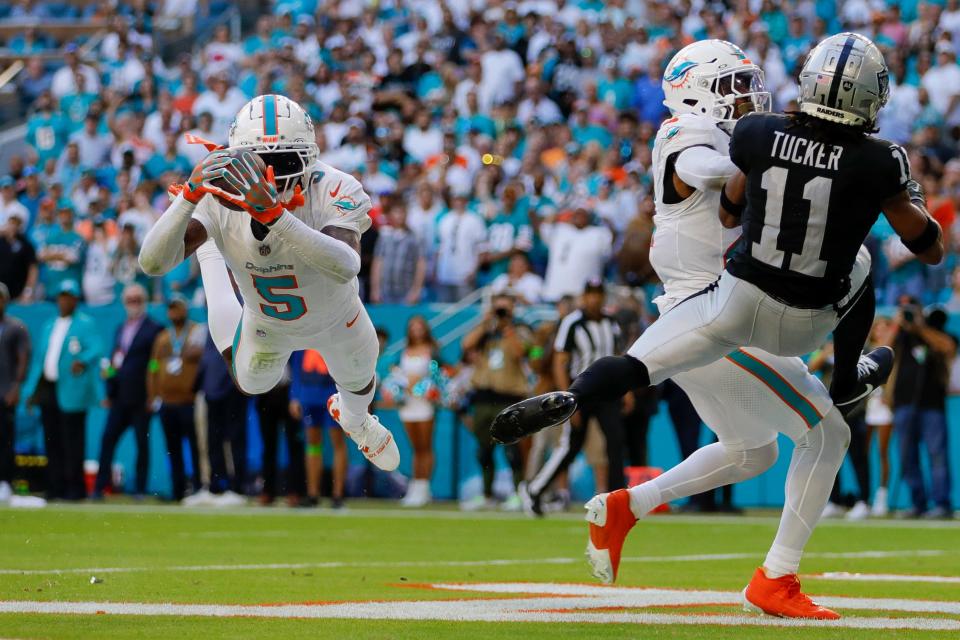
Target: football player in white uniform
point(750, 395)
point(293, 245)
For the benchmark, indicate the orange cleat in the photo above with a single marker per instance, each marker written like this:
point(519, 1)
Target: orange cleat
point(610, 521)
point(782, 597)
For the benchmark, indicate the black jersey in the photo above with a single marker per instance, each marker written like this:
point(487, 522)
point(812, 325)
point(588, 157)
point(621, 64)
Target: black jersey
point(809, 206)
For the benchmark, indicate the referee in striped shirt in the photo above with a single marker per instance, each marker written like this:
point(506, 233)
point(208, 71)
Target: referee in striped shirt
point(584, 336)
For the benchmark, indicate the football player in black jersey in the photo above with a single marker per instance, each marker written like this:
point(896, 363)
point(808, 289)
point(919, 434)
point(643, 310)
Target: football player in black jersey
point(810, 187)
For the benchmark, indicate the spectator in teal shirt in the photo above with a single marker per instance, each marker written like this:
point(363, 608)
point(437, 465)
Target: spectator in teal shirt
point(168, 160)
point(74, 107)
point(797, 43)
point(46, 130)
point(61, 255)
point(264, 38)
point(583, 131)
point(613, 88)
point(33, 193)
point(507, 231)
point(27, 43)
point(44, 224)
point(771, 14)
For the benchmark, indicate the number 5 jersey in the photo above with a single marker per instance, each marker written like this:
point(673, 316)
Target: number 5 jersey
point(274, 282)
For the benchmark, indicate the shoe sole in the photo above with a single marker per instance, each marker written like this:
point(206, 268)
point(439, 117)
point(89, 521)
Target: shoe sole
point(508, 427)
point(390, 444)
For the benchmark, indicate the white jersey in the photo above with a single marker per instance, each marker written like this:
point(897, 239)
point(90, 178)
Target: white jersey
point(274, 282)
point(689, 243)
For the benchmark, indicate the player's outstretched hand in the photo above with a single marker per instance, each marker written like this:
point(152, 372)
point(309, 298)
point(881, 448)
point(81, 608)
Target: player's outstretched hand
point(208, 169)
point(257, 188)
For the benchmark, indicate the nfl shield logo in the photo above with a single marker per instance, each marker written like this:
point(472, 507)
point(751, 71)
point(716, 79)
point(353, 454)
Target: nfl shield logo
point(264, 249)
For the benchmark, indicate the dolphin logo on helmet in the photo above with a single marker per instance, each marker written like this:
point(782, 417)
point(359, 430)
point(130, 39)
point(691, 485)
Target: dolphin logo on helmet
point(714, 78)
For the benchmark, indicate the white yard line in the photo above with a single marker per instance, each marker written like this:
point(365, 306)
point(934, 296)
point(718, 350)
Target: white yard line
point(704, 557)
point(883, 577)
point(535, 602)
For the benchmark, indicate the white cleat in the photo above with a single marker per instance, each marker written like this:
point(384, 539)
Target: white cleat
point(202, 498)
point(880, 507)
point(860, 511)
point(373, 439)
point(229, 499)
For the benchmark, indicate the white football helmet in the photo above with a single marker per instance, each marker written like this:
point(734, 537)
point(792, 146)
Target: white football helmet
point(714, 78)
point(278, 130)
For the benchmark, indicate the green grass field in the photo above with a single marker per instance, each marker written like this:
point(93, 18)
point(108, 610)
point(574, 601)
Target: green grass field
point(273, 573)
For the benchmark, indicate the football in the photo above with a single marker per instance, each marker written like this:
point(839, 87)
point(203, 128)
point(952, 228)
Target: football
point(220, 183)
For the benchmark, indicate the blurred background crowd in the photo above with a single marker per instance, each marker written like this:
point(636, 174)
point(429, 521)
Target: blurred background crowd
point(506, 146)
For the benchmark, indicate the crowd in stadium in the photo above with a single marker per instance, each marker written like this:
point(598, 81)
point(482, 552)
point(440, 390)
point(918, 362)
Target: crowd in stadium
point(505, 145)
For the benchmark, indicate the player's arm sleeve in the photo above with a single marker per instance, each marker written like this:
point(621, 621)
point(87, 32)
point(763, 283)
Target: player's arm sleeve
point(704, 168)
point(162, 248)
point(318, 250)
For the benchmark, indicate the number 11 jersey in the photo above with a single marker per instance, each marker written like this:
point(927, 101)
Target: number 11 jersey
point(810, 202)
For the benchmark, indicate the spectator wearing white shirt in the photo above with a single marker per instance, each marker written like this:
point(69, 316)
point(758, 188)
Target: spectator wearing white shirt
point(221, 55)
point(536, 106)
point(221, 101)
point(942, 82)
point(525, 285)
point(10, 207)
point(423, 139)
point(422, 219)
point(460, 238)
point(64, 81)
point(501, 71)
point(577, 253)
point(897, 120)
point(164, 120)
point(94, 146)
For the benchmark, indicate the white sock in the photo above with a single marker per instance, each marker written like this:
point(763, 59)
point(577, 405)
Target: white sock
point(353, 408)
point(781, 561)
point(706, 468)
point(223, 309)
point(813, 468)
point(644, 498)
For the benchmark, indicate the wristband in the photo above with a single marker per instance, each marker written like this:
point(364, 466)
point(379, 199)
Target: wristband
point(729, 205)
point(930, 235)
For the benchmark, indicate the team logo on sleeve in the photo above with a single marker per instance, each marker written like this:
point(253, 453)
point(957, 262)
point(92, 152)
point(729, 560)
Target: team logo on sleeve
point(346, 204)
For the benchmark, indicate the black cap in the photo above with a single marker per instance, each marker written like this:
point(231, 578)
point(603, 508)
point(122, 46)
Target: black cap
point(594, 285)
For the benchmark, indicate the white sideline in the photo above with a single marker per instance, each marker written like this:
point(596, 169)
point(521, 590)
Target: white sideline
point(705, 557)
point(534, 602)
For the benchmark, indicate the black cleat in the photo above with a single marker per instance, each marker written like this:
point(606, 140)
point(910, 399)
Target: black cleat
point(873, 369)
point(531, 502)
point(532, 415)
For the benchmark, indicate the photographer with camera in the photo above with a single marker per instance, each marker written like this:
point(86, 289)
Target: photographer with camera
point(499, 380)
point(924, 356)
